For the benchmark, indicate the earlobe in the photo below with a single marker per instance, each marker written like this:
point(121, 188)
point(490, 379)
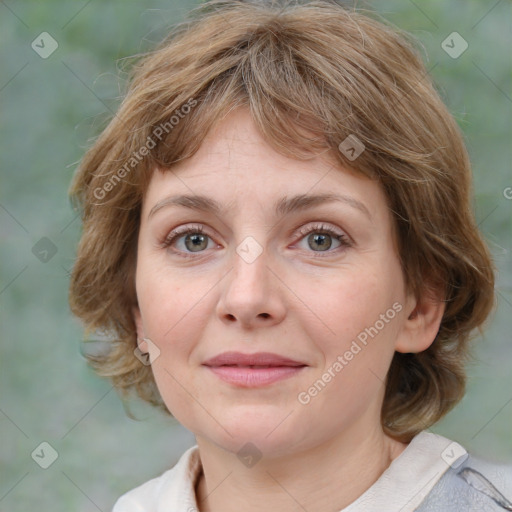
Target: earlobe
point(141, 343)
point(422, 324)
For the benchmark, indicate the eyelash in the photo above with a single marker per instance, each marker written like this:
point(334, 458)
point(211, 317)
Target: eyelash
point(318, 228)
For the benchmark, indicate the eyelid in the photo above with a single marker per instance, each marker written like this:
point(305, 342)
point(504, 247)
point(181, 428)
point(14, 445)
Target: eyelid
point(321, 227)
point(312, 227)
point(338, 234)
point(176, 233)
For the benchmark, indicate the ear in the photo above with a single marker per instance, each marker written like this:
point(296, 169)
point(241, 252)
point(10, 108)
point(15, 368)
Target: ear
point(423, 319)
point(141, 338)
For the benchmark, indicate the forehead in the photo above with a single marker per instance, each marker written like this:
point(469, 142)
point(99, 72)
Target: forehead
point(235, 167)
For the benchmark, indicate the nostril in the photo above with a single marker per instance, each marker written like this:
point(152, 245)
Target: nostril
point(264, 315)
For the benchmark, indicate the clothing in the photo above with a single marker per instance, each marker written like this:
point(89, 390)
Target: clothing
point(431, 474)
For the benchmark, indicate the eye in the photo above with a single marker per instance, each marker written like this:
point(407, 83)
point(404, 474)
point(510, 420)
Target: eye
point(320, 238)
point(187, 239)
point(192, 239)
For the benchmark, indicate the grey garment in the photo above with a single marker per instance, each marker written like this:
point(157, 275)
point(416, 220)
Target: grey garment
point(473, 486)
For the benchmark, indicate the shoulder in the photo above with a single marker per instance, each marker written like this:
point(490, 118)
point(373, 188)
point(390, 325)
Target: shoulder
point(174, 487)
point(471, 484)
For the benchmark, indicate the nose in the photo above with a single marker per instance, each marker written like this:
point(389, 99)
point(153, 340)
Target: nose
point(251, 293)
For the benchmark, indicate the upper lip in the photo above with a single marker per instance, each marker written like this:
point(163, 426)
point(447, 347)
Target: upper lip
point(257, 359)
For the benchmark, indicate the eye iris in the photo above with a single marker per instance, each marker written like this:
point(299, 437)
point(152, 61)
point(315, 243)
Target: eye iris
point(323, 240)
point(194, 242)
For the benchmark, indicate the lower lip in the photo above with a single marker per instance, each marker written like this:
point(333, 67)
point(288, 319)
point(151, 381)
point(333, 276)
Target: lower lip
point(254, 377)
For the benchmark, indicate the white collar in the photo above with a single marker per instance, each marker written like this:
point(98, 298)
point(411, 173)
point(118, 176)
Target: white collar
point(401, 488)
point(411, 476)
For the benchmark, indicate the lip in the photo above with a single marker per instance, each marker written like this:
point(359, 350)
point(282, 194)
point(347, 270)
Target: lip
point(257, 359)
point(253, 370)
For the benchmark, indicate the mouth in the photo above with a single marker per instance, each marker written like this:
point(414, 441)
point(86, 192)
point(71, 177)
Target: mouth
point(252, 366)
point(253, 370)
point(261, 359)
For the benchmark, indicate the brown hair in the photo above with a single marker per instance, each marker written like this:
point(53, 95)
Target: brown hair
point(312, 74)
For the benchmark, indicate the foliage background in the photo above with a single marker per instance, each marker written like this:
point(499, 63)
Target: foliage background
point(50, 110)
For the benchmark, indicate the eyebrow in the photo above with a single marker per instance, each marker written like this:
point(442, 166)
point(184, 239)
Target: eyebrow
point(282, 207)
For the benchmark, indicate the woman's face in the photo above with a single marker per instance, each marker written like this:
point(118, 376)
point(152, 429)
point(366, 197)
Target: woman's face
point(315, 283)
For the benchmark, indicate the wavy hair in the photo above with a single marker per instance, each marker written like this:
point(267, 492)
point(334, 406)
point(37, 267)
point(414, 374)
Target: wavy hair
point(311, 73)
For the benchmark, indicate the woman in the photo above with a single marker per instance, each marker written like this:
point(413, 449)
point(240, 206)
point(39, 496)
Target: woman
point(278, 237)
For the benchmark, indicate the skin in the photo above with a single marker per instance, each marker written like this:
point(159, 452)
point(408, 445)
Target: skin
point(294, 300)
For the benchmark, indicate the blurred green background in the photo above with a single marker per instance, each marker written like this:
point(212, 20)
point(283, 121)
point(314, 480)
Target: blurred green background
point(52, 107)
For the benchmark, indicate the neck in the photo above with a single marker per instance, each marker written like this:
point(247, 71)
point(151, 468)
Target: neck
point(324, 478)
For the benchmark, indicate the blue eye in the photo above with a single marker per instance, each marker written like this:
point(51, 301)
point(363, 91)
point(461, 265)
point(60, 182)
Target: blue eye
point(321, 237)
point(194, 238)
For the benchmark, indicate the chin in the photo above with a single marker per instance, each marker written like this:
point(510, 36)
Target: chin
point(265, 429)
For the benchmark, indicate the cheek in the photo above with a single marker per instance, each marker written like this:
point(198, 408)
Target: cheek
point(357, 345)
point(352, 302)
point(170, 301)
point(358, 319)
point(175, 313)
point(179, 391)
